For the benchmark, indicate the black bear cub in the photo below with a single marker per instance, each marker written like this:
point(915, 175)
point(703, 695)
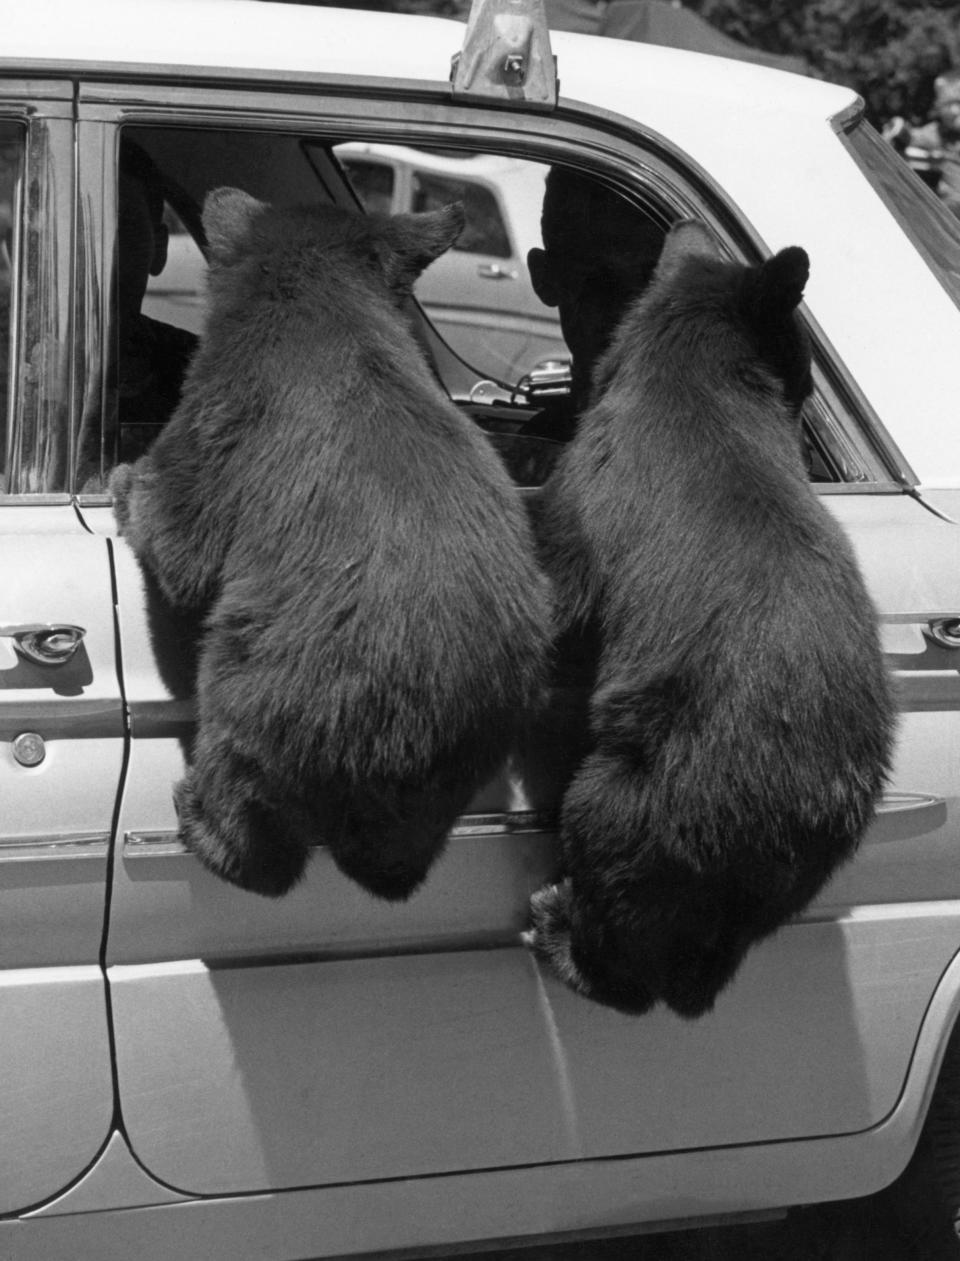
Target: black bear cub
point(375, 624)
point(741, 719)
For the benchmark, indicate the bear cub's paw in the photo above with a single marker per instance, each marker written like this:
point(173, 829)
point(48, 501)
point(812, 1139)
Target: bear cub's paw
point(270, 870)
point(120, 486)
point(549, 936)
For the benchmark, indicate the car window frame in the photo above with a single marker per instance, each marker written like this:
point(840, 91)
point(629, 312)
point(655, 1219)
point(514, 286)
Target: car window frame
point(636, 161)
point(38, 429)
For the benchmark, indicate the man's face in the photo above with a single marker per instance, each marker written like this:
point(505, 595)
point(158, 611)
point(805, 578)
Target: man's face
point(591, 282)
point(142, 245)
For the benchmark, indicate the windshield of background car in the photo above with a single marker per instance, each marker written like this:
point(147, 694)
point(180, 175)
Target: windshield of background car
point(933, 229)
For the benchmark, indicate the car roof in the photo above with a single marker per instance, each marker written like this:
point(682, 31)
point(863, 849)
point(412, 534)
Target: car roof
point(243, 38)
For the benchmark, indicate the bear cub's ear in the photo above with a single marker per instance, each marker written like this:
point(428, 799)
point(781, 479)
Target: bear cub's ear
point(409, 243)
point(228, 213)
point(781, 282)
point(686, 239)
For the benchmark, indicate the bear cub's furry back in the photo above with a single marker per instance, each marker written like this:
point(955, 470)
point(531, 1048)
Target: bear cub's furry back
point(375, 622)
point(741, 720)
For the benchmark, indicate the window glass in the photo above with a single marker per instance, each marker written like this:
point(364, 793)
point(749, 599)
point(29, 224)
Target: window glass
point(373, 183)
point(514, 317)
point(478, 296)
point(11, 176)
point(484, 231)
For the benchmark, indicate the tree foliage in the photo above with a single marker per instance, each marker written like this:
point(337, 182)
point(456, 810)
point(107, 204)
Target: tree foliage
point(890, 51)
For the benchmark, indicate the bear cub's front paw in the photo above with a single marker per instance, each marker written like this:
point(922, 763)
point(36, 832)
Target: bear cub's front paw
point(120, 486)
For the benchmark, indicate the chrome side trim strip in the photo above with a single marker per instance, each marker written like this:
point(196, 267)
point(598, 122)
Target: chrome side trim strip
point(167, 844)
point(67, 845)
point(920, 812)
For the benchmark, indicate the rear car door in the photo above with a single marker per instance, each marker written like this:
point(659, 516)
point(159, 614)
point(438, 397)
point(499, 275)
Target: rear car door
point(329, 1038)
point(61, 719)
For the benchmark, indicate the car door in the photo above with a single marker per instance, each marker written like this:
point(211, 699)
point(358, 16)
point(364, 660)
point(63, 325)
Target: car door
point(61, 720)
point(329, 1038)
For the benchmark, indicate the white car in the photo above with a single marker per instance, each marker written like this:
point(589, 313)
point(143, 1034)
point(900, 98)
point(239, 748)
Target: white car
point(192, 1071)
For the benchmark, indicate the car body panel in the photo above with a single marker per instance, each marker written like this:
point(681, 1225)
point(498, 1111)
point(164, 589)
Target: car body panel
point(312, 970)
point(55, 830)
point(567, 1201)
point(435, 1063)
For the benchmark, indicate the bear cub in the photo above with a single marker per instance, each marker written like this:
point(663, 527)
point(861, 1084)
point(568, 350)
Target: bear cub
point(741, 719)
point(374, 621)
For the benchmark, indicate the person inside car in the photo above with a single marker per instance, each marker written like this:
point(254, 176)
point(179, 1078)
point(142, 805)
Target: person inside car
point(599, 253)
point(152, 356)
point(148, 359)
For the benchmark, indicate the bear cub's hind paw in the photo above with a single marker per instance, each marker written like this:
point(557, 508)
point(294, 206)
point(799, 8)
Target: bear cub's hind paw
point(549, 935)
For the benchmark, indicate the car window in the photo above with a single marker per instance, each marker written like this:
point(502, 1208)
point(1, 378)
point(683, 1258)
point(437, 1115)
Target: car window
point(478, 296)
point(490, 325)
point(11, 176)
point(176, 294)
point(157, 290)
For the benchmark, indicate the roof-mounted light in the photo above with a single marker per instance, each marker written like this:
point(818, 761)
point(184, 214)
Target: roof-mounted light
point(506, 55)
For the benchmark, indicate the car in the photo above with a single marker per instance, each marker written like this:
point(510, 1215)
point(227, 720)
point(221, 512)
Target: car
point(191, 1070)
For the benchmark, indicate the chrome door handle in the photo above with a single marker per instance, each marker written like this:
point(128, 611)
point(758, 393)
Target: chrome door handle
point(944, 631)
point(901, 816)
point(494, 271)
point(47, 644)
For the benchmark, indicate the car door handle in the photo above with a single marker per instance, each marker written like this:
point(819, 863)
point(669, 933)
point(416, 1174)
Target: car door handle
point(494, 271)
point(46, 643)
point(900, 816)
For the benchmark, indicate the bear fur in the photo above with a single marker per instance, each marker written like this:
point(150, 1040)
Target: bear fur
point(374, 621)
point(741, 718)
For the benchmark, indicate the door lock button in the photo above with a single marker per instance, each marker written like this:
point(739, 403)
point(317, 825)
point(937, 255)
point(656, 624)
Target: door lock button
point(29, 748)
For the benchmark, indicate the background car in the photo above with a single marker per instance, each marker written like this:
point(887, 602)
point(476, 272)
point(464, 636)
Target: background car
point(191, 1070)
point(478, 295)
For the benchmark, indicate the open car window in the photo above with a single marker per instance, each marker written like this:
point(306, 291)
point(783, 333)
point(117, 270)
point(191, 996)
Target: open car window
point(493, 335)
